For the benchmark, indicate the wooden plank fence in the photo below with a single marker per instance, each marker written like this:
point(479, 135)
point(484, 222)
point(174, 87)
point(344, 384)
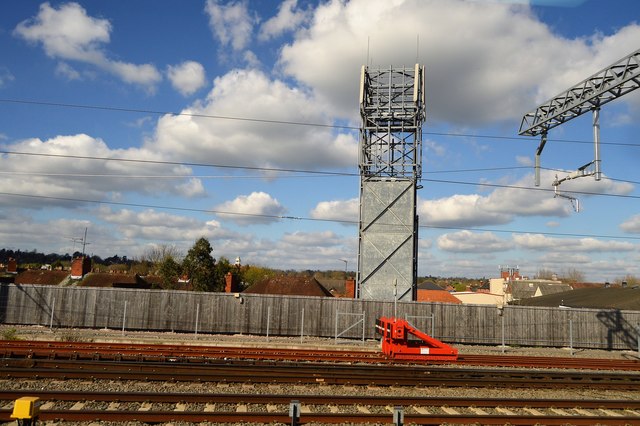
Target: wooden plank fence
point(274, 315)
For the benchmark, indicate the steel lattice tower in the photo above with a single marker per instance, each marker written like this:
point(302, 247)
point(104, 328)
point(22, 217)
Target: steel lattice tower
point(392, 112)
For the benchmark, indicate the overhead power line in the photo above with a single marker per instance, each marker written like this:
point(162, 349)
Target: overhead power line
point(312, 172)
point(284, 122)
point(303, 218)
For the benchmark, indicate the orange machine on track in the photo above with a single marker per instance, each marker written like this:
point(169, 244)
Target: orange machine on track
point(401, 340)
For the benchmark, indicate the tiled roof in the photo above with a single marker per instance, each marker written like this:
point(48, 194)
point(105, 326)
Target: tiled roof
point(429, 285)
point(596, 298)
point(100, 279)
point(41, 277)
point(437, 296)
point(291, 286)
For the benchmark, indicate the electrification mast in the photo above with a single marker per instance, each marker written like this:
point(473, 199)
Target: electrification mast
point(608, 84)
point(392, 112)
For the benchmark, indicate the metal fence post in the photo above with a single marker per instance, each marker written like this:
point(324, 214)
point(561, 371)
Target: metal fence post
point(302, 327)
point(53, 308)
point(571, 336)
point(197, 317)
point(268, 320)
point(502, 331)
point(124, 317)
point(336, 328)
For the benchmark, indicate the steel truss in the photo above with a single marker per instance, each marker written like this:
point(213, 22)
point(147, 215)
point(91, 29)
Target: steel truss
point(604, 86)
point(608, 84)
point(392, 113)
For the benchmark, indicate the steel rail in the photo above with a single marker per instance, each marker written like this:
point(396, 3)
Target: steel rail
point(186, 353)
point(180, 397)
point(270, 372)
point(322, 418)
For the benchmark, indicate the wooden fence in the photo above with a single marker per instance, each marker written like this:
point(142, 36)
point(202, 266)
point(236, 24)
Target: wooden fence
point(191, 312)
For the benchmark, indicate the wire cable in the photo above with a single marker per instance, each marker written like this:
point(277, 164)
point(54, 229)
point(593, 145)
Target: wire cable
point(303, 218)
point(288, 122)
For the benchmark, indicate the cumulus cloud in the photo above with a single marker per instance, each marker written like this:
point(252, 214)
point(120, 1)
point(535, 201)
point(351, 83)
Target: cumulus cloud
point(187, 77)
point(254, 143)
point(631, 225)
point(5, 77)
point(161, 226)
point(488, 69)
point(540, 242)
point(255, 208)
point(231, 23)
point(338, 210)
point(459, 210)
point(50, 176)
point(472, 242)
point(289, 17)
point(69, 34)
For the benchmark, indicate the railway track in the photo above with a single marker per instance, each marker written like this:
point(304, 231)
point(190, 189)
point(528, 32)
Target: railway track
point(238, 371)
point(193, 353)
point(268, 408)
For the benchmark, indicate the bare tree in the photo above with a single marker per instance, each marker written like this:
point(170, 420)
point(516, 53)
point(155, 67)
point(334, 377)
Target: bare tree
point(572, 276)
point(545, 274)
point(157, 253)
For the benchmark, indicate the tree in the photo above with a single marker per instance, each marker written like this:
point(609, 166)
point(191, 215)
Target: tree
point(200, 266)
point(545, 274)
point(158, 253)
point(170, 271)
point(572, 276)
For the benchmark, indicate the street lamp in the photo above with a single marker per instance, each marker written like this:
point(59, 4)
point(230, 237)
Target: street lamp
point(345, 266)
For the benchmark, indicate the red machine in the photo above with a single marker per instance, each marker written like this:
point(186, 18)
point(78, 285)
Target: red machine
point(401, 340)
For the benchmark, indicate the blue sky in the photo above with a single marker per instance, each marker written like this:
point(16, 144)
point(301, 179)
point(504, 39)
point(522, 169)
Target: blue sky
point(208, 97)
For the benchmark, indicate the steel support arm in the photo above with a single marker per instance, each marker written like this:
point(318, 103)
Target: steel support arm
point(604, 86)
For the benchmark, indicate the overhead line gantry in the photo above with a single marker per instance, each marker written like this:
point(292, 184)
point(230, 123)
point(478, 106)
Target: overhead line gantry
point(612, 82)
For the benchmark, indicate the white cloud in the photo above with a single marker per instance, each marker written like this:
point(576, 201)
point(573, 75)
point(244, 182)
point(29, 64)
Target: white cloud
point(488, 69)
point(230, 23)
point(68, 33)
point(67, 71)
point(523, 160)
point(187, 77)
point(338, 210)
point(251, 94)
point(161, 226)
point(544, 243)
point(84, 179)
point(459, 210)
point(287, 19)
point(472, 242)
point(631, 225)
point(255, 208)
point(5, 77)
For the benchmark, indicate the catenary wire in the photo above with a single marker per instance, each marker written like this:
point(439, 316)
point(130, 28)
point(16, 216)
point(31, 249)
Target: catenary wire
point(303, 218)
point(326, 173)
point(287, 122)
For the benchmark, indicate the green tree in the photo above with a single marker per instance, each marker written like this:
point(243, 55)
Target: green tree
point(200, 266)
point(169, 270)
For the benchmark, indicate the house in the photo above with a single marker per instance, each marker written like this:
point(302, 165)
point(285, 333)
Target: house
point(525, 289)
point(428, 291)
point(103, 279)
point(290, 286)
point(479, 298)
point(594, 298)
point(42, 277)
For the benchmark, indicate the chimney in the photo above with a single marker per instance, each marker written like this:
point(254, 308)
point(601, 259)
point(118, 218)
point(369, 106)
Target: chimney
point(80, 266)
point(231, 285)
point(12, 267)
point(350, 288)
